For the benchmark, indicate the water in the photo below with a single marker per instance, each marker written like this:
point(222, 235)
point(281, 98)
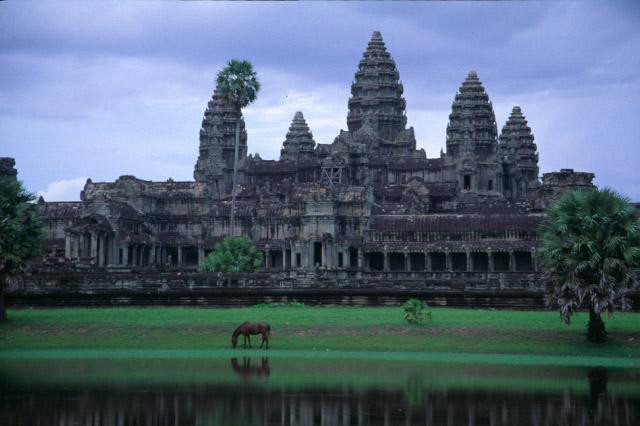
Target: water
point(263, 391)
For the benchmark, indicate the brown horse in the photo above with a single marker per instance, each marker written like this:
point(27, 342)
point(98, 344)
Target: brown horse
point(249, 328)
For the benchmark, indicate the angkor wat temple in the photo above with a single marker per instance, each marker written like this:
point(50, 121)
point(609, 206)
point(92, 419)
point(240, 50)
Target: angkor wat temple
point(367, 208)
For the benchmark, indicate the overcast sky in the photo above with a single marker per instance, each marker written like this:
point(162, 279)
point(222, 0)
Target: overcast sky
point(111, 89)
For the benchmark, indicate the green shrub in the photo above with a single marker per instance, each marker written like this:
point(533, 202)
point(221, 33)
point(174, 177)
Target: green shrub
point(413, 311)
point(234, 254)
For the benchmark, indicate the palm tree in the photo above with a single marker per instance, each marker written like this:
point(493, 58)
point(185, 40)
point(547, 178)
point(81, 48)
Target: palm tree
point(20, 232)
point(239, 85)
point(590, 254)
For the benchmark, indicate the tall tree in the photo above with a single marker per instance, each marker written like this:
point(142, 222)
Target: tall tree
point(20, 232)
point(234, 254)
point(590, 254)
point(239, 84)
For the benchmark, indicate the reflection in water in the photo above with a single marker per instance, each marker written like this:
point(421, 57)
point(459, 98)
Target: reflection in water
point(246, 401)
point(247, 372)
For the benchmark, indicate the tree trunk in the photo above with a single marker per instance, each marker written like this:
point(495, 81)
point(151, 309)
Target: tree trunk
point(235, 175)
point(596, 332)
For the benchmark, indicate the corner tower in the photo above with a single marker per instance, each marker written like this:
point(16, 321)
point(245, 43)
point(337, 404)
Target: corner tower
point(217, 145)
point(472, 145)
point(299, 144)
point(376, 93)
point(519, 156)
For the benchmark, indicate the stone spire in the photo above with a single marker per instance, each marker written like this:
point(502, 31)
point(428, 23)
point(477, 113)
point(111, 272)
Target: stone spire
point(217, 143)
point(299, 143)
point(376, 93)
point(518, 151)
point(472, 143)
point(472, 123)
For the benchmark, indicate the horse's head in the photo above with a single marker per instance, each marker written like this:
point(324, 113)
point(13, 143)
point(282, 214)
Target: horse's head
point(234, 340)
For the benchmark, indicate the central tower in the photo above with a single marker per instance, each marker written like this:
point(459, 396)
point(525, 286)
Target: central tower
point(376, 93)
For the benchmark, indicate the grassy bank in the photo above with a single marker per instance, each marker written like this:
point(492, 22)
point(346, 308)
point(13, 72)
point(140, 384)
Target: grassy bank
point(316, 329)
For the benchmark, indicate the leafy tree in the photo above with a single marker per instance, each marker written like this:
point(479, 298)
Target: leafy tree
point(239, 85)
point(20, 232)
point(590, 255)
point(414, 311)
point(234, 254)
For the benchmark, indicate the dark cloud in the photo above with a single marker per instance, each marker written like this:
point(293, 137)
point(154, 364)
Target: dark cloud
point(111, 88)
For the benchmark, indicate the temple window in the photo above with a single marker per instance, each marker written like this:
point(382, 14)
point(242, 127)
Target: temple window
point(376, 261)
point(501, 262)
point(459, 261)
point(467, 182)
point(438, 261)
point(523, 261)
point(480, 261)
point(396, 261)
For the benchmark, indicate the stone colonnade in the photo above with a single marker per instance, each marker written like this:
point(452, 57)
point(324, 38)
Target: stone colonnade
point(101, 248)
point(325, 254)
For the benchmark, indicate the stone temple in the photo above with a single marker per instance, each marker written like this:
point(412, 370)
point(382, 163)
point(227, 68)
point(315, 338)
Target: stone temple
point(368, 209)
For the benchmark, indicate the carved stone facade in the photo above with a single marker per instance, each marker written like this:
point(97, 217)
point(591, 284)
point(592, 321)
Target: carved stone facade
point(366, 208)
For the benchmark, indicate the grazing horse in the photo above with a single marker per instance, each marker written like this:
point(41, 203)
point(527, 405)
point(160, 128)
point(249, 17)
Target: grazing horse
point(249, 328)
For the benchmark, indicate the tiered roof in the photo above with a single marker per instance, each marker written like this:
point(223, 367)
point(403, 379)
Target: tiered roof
point(299, 143)
point(217, 137)
point(376, 93)
point(472, 123)
point(517, 145)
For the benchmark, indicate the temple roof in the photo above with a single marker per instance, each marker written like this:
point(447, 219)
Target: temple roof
point(472, 120)
point(517, 145)
point(516, 130)
point(60, 209)
point(217, 135)
point(376, 93)
point(299, 143)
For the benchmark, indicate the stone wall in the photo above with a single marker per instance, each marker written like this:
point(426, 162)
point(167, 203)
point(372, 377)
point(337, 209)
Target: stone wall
point(510, 290)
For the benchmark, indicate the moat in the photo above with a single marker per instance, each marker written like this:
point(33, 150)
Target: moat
point(276, 391)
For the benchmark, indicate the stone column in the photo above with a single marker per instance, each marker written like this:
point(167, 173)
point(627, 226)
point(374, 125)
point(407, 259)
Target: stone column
point(102, 250)
point(284, 259)
point(152, 255)
point(200, 252)
point(447, 258)
point(67, 246)
point(267, 259)
point(469, 262)
point(407, 262)
point(292, 259)
point(490, 261)
point(534, 260)
point(179, 255)
point(386, 261)
point(427, 261)
point(360, 259)
point(114, 251)
point(94, 248)
point(512, 261)
point(75, 246)
point(125, 255)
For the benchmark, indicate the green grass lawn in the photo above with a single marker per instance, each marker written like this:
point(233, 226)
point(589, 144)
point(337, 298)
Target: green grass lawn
point(316, 329)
